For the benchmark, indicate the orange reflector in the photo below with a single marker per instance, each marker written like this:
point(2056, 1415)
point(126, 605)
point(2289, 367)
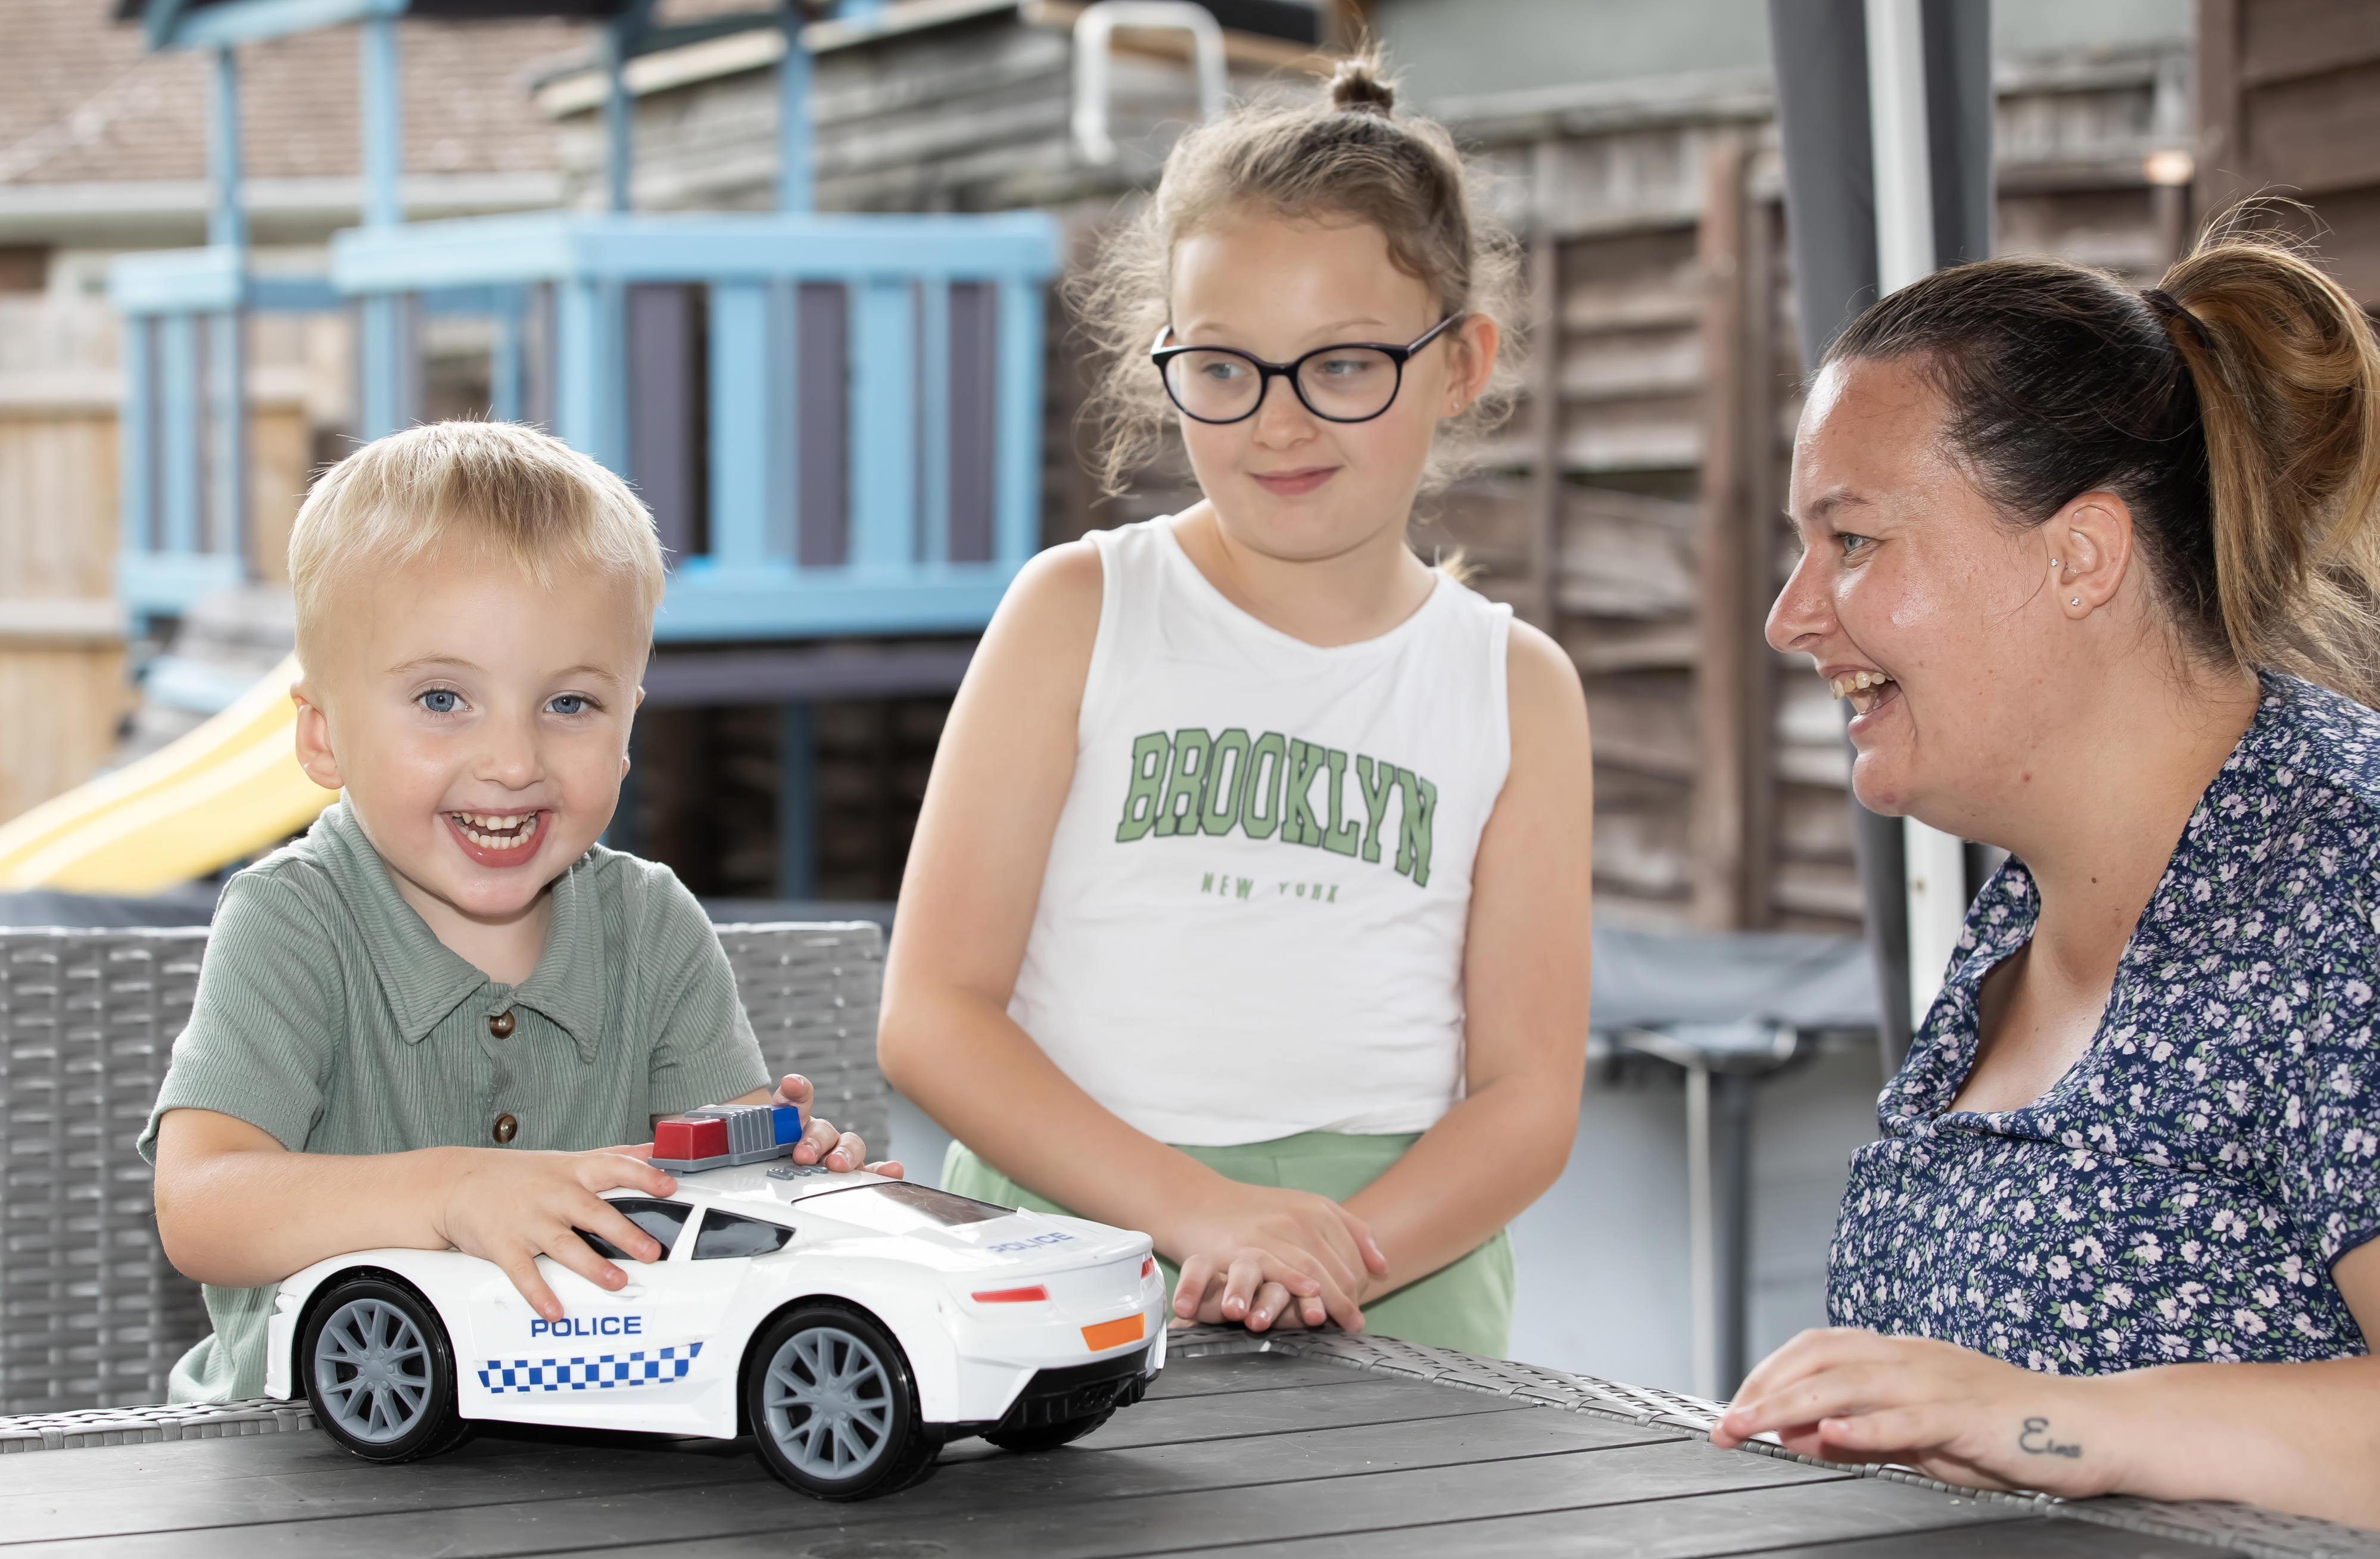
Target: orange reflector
point(1115, 1333)
point(1147, 1265)
point(1011, 1296)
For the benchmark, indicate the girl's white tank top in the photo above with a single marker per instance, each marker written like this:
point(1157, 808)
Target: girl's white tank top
point(1252, 922)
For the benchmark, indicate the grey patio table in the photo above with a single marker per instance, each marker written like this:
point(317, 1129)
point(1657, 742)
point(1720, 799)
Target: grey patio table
point(1316, 1445)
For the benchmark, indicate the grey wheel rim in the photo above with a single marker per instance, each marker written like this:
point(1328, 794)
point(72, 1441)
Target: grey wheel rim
point(828, 1399)
point(372, 1370)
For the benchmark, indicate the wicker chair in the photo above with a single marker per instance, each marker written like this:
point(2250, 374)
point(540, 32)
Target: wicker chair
point(91, 1314)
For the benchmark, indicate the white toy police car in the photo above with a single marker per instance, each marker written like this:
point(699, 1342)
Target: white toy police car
point(852, 1324)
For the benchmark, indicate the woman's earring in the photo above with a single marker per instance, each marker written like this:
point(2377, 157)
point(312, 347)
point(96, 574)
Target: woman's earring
point(2078, 600)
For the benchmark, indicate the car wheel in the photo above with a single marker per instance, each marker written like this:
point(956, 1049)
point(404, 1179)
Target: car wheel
point(833, 1407)
point(380, 1373)
point(1048, 1436)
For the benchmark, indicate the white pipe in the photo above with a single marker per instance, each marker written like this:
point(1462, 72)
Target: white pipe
point(1936, 869)
point(1094, 47)
point(1902, 148)
point(1935, 875)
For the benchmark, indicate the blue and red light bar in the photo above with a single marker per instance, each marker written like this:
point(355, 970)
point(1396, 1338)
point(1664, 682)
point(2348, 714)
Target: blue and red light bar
point(724, 1134)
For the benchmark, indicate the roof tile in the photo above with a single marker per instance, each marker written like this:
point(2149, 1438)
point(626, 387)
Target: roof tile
point(82, 100)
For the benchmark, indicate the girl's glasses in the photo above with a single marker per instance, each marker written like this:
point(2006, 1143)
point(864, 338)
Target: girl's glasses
point(1354, 383)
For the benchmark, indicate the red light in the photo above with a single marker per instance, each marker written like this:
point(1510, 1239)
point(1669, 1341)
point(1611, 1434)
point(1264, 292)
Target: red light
point(1011, 1296)
point(688, 1140)
point(1148, 1266)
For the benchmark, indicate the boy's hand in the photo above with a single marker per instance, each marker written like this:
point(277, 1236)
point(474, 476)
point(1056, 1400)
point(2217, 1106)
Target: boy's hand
point(821, 1143)
point(511, 1208)
point(1266, 1256)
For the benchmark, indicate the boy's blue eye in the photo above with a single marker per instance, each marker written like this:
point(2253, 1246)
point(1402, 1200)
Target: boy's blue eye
point(567, 704)
point(442, 700)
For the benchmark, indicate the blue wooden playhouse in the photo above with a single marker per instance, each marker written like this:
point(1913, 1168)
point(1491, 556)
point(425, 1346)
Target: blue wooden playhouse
point(836, 418)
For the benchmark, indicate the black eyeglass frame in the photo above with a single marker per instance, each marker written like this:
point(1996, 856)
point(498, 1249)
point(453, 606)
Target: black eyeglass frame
point(1163, 355)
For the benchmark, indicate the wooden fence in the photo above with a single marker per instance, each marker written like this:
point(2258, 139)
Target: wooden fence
point(63, 690)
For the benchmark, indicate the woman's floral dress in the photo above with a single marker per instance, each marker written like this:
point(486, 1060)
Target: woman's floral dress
point(2182, 1191)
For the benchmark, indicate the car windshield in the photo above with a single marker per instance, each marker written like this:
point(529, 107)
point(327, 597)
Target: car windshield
point(662, 1220)
point(898, 1207)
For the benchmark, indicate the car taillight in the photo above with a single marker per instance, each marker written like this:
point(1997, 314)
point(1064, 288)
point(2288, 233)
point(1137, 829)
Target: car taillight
point(1148, 1266)
point(1009, 1296)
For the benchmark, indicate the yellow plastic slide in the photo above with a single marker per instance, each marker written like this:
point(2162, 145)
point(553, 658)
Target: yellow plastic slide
point(224, 791)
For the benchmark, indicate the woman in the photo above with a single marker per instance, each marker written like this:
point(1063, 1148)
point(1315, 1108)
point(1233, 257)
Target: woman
point(2099, 570)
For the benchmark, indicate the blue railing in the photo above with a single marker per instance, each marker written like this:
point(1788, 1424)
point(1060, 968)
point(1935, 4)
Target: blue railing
point(182, 439)
point(836, 420)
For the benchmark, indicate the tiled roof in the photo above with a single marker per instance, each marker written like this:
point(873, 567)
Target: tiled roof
point(83, 101)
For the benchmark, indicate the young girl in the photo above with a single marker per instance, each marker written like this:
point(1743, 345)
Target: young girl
point(1249, 902)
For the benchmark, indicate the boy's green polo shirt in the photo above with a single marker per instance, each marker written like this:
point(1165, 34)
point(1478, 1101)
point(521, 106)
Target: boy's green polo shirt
point(328, 1015)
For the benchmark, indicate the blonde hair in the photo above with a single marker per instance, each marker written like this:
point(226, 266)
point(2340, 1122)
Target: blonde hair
point(509, 491)
point(1351, 157)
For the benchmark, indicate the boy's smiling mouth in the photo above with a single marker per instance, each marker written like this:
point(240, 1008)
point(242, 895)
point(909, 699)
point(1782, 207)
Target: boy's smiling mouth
point(496, 838)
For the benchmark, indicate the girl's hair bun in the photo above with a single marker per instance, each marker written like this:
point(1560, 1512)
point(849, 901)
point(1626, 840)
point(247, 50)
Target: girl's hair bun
point(1356, 87)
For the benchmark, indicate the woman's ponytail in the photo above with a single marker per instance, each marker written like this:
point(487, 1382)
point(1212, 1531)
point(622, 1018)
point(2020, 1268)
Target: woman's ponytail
point(2288, 379)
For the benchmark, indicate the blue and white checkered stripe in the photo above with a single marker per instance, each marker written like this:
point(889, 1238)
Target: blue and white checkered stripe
point(604, 1372)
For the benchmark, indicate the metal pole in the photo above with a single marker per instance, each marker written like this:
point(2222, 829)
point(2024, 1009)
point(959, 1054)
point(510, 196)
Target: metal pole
point(1822, 112)
point(1903, 160)
point(1702, 1229)
point(797, 803)
point(1884, 108)
point(1907, 131)
point(795, 191)
point(1933, 868)
point(1732, 1101)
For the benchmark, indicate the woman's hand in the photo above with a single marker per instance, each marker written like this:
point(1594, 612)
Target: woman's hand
point(821, 1143)
point(1261, 1256)
point(1963, 1416)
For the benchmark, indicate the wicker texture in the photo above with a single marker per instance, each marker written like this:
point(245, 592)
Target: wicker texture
point(91, 1314)
point(147, 1426)
point(811, 992)
point(90, 1311)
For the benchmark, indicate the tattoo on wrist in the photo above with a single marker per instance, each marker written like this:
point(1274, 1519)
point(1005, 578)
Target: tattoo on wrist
point(2036, 1441)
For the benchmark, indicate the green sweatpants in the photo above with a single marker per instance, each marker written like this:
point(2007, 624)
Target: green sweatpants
point(1467, 1305)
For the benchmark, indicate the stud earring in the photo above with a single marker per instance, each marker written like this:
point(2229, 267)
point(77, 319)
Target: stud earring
point(2078, 600)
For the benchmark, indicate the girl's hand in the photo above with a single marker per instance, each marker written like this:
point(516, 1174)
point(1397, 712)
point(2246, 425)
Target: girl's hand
point(821, 1143)
point(511, 1208)
point(1252, 1251)
point(1951, 1413)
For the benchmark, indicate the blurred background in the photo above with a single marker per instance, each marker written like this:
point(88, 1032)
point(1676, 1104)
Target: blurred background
point(237, 235)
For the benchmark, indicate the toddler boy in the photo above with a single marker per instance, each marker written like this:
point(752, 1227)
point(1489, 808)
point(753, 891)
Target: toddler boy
point(421, 1024)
